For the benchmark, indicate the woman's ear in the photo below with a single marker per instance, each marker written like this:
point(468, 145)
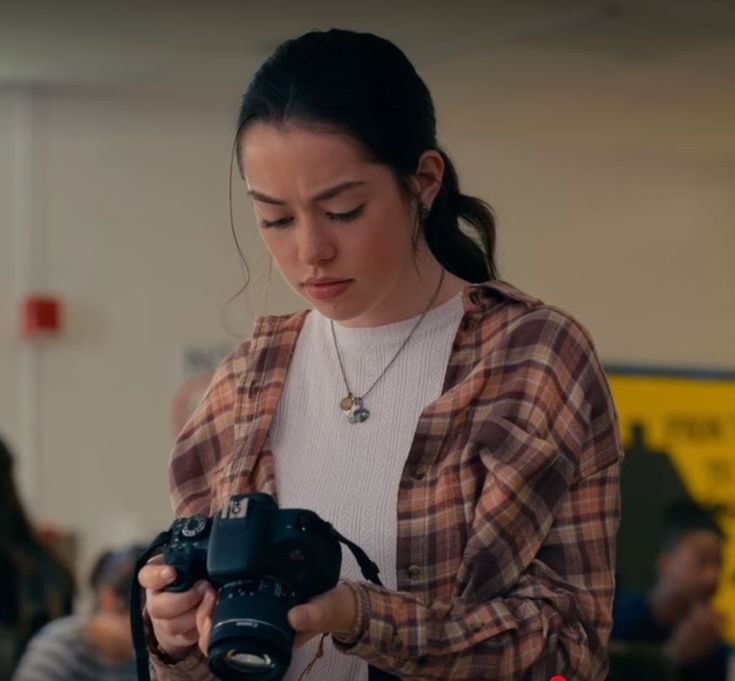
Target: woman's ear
point(429, 175)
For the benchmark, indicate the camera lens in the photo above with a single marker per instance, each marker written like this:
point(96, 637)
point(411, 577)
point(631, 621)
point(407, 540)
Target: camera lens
point(251, 638)
point(247, 662)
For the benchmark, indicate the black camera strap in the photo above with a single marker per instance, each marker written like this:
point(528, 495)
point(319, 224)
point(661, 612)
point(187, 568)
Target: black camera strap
point(369, 569)
point(136, 608)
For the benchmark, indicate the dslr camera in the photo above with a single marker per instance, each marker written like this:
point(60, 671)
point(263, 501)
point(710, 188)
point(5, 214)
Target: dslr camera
point(263, 561)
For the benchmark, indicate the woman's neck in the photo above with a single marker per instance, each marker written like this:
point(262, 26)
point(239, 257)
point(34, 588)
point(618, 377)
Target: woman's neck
point(426, 284)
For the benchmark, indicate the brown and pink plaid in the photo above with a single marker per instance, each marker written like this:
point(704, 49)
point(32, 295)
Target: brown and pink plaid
point(508, 505)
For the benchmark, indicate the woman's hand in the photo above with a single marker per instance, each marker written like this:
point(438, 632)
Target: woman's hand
point(180, 620)
point(334, 611)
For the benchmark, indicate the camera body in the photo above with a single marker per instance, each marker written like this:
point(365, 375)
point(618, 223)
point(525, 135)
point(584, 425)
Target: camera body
point(263, 561)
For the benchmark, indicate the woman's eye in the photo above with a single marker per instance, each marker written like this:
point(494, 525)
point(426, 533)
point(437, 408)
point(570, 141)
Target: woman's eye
point(281, 222)
point(346, 217)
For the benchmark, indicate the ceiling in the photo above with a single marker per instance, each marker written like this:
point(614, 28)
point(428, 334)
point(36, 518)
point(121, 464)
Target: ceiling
point(654, 74)
point(214, 44)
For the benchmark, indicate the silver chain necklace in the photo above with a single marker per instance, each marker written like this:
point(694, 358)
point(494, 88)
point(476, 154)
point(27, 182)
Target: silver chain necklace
point(351, 405)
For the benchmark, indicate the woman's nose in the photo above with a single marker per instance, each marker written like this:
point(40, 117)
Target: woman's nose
point(315, 243)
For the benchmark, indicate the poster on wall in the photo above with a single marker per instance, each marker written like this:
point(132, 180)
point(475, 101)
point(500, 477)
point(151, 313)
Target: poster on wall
point(678, 432)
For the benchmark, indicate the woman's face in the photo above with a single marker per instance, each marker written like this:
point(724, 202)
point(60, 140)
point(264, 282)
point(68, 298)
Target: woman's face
point(336, 224)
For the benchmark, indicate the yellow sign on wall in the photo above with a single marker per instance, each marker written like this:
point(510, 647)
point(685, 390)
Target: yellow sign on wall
point(688, 419)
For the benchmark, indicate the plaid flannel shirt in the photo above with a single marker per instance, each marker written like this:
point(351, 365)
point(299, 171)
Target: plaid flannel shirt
point(508, 504)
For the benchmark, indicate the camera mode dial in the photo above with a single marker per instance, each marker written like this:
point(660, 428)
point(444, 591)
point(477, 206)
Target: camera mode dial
point(194, 526)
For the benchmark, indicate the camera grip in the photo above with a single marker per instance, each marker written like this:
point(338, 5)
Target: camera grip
point(186, 551)
point(189, 569)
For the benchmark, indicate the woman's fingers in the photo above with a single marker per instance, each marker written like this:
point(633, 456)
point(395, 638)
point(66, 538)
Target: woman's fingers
point(186, 639)
point(175, 615)
point(156, 577)
point(204, 619)
point(333, 610)
point(167, 605)
point(177, 626)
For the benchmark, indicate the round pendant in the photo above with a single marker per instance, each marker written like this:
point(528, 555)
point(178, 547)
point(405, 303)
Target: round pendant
point(358, 415)
point(346, 403)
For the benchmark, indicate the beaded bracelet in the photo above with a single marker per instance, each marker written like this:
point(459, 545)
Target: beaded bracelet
point(360, 624)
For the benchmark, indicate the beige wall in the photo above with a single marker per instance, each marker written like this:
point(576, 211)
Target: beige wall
point(613, 183)
point(628, 228)
point(130, 229)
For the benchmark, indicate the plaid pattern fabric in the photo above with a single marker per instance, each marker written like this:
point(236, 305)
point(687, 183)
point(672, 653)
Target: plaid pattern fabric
point(508, 504)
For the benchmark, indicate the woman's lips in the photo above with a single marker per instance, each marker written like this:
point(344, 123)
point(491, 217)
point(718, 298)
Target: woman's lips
point(326, 289)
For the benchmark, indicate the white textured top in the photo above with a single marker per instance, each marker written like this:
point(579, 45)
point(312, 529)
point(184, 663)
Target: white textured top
point(349, 473)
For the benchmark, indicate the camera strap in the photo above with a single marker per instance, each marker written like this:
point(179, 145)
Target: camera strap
point(136, 608)
point(368, 568)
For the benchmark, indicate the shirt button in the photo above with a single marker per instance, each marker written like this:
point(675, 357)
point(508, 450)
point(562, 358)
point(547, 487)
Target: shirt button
point(476, 626)
point(419, 472)
point(414, 571)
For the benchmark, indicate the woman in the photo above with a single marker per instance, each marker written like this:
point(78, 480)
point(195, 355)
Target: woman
point(457, 429)
point(35, 585)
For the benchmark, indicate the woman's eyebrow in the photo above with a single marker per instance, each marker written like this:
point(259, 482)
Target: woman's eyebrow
point(321, 196)
point(338, 189)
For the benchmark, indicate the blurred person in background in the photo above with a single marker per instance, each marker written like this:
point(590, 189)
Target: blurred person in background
point(676, 616)
point(36, 585)
point(97, 647)
point(457, 429)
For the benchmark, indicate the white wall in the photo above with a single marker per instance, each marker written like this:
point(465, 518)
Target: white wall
point(599, 212)
point(130, 213)
point(8, 351)
point(613, 183)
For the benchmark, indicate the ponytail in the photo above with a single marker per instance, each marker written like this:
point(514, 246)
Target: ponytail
point(468, 253)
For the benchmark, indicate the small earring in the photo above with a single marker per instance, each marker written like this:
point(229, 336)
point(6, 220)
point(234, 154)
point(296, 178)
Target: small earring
point(424, 211)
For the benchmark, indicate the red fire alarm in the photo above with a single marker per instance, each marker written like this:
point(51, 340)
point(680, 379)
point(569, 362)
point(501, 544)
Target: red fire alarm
point(41, 315)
